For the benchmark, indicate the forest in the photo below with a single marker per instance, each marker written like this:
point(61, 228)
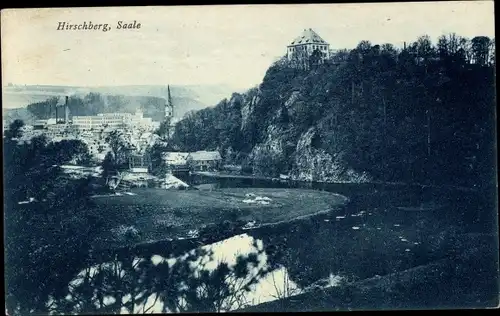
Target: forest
point(49, 220)
point(424, 113)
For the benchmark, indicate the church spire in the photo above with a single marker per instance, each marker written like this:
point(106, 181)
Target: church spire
point(169, 114)
point(169, 107)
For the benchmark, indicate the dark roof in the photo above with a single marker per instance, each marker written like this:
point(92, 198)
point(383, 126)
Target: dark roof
point(308, 36)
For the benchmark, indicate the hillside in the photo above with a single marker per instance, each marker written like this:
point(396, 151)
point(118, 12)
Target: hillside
point(9, 115)
point(423, 114)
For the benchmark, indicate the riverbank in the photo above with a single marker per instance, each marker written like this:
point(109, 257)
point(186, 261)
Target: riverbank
point(383, 255)
point(222, 175)
point(466, 279)
point(158, 214)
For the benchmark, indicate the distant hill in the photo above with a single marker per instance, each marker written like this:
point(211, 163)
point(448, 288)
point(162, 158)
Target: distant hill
point(9, 115)
point(185, 98)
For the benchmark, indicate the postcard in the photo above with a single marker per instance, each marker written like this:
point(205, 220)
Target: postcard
point(250, 158)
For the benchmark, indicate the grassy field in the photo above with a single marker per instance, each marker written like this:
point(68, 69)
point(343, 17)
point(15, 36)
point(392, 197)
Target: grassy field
point(161, 214)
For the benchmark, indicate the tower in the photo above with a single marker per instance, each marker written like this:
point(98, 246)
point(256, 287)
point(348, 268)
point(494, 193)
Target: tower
point(169, 106)
point(66, 111)
point(169, 114)
point(62, 107)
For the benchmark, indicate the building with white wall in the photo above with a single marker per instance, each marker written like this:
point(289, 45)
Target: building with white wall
point(87, 122)
point(113, 121)
point(308, 42)
point(139, 121)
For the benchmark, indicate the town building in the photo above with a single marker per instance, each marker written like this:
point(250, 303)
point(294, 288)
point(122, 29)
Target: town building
point(176, 160)
point(98, 148)
point(139, 163)
point(39, 124)
point(204, 160)
point(99, 121)
point(308, 42)
point(139, 121)
point(58, 130)
point(195, 161)
point(113, 121)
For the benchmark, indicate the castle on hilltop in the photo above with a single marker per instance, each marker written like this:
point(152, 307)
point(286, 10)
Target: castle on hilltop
point(307, 43)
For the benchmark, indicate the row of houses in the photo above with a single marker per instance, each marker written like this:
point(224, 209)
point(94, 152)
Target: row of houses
point(138, 173)
point(195, 161)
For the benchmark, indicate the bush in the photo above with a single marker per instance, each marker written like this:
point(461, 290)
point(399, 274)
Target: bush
point(126, 233)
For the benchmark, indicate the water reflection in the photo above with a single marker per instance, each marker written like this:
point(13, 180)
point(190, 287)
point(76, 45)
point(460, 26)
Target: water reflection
point(223, 276)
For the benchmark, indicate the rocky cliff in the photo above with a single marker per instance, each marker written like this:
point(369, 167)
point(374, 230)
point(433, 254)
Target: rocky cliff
point(379, 114)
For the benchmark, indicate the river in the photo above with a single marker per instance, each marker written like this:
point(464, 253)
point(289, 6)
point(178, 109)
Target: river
point(384, 229)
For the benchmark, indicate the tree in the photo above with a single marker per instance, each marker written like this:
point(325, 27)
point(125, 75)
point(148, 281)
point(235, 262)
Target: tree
point(339, 56)
point(109, 166)
point(481, 49)
point(300, 57)
point(424, 49)
point(492, 56)
point(449, 45)
point(158, 167)
point(163, 130)
point(74, 151)
point(315, 59)
point(14, 130)
point(49, 223)
point(364, 47)
point(464, 51)
point(120, 148)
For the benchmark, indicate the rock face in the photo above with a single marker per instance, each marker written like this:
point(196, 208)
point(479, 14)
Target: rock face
point(267, 156)
point(272, 130)
point(249, 107)
point(311, 164)
point(284, 150)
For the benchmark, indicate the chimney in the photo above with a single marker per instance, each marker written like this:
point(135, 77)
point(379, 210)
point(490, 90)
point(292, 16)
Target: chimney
point(66, 111)
point(56, 112)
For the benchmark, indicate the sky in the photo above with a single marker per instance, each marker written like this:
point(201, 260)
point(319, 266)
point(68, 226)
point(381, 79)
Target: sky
point(198, 45)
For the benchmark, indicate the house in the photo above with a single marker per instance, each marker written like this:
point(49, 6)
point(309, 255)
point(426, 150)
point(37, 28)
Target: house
point(139, 163)
point(204, 160)
point(39, 124)
point(176, 160)
point(304, 45)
